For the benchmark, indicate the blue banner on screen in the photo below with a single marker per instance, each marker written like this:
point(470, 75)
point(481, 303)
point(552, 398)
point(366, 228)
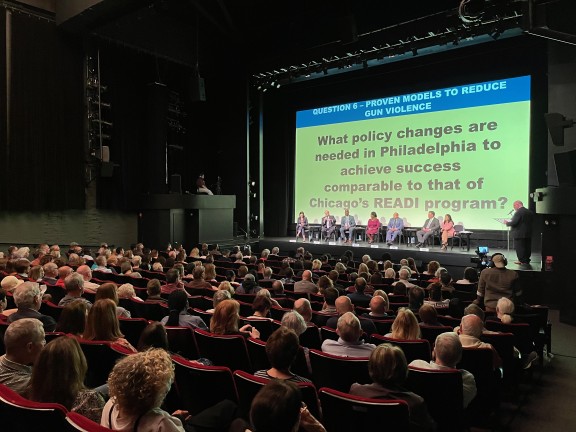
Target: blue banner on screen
point(461, 151)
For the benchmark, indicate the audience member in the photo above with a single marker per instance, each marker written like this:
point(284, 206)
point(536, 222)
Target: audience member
point(153, 336)
point(74, 285)
point(58, 377)
point(154, 290)
point(304, 308)
point(471, 328)
point(415, 298)
point(379, 306)
point(358, 297)
point(109, 290)
point(28, 299)
point(428, 315)
point(179, 315)
point(344, 304)
point(23, 341)
point(405, 326)
point(388, 369)
point(102, 324)
point(72, 320)
point(348, 343)
point(225, 321)
point(306, 285)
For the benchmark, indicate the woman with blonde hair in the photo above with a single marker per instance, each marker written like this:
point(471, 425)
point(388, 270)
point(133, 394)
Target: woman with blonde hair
point(226, 318)
point(103, 325)
point(58, 377)
point(226, 286)
point(405, 326)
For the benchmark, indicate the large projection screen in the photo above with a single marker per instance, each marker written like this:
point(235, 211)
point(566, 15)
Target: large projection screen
point(460, 150)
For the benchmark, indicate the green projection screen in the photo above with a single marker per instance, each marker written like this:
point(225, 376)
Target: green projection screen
point(460, 150)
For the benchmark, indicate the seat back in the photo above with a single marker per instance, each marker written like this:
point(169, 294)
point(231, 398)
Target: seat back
point(431, 332)
point(328, 333)
point(206, 316)
point(151, 310)
point(264, 326)
point(504, 344)
point(440, 389)
point(343, 412)
point(320, 319)
point(338, 372)
point(524, 334)
point(56, 292)
point(182, 341)
point(257, 353)
point(20, 414)
point(200, 387)
point(132, 328)
point(418, 349)
point(311, 337)
point(249, 385)
point(51, 309)
point(224, 350)
point(101, 357)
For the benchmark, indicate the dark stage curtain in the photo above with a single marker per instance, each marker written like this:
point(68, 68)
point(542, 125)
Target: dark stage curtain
point(43, 148)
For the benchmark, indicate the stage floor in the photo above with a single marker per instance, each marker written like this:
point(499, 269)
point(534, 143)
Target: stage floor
point(455, 260)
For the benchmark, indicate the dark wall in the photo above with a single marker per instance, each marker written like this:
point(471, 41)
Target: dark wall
point(518, 56)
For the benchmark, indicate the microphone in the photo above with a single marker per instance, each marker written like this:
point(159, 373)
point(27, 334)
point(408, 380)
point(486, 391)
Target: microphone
point(511, 212)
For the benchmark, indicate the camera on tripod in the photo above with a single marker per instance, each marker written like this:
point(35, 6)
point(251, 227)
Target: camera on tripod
point(482, 261)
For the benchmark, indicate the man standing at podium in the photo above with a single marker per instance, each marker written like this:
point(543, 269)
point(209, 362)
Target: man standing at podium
point(521, 228)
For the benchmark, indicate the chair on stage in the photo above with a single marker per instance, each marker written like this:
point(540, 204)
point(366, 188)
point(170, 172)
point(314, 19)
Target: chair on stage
point(343, 412)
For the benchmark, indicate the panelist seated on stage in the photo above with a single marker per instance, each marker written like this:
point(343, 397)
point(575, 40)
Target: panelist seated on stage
point(201, 186)
point(347, 224)
point(431, 225)
point(373, 227)
point(328, 225)
point(302, 227)
point(395, 227)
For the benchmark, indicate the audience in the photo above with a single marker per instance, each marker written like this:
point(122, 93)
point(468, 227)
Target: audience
point(74, 285)
point(103, 325)
point(405, 326)
point(179, 315)
point(28, 299)
point(348, 343)
point(72, 320)
point(109, 290)
point(226, 318)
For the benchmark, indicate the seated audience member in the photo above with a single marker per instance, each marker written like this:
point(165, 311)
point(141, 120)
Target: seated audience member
point(28, 299)
point(388, 369)
point(431, 268)
point(86, 273)
point(399, 289)
point(304, 308)
point(446, 283)
point(103, 325)
point(23, 341)
point(153, 336)
point(72, 320)
point(415, 298)
point(153, 290)
point(330, 296)
point(210, 274)
point(9, 283)
point(218, 297)
point(428, 315)
point(288, 276)
point(198, 281)
point(281, 349)
point(323, 283)
point(36, 274)
point(306, 285)
point(436, 300)
point(138, 385)
point(126, 269)
point(226, 318)
point(390, 274)
point(3, 305)
point(405, 326)
point(74, 285)
point(470, 331)
point(50, 273)
point(470, 276)
point(446, 354)
point(358, 297)
point(294, 321)
point(378, 307)
point(101, 264)
point(58, 377)
point(157, 266)
point(261, 307)
point(266, 293)
point(108, 290)
point(179, 316)
point(403, 276)
point(127, 291)
point(249, 285)
point(173, 282)
point(277, 407)
point(227, 286)
point(348, 343)
point(344, 304)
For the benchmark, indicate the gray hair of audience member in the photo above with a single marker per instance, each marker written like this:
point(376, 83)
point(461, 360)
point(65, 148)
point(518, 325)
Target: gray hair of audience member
point(74, 282)
point(249, 276)
point(50, 270)
point(126, 291)
point(379, 304)
point(365, 258)
point(448, 349)
point(389, 273)
point(275, 250)
point(100, 260)
point(505, 309)
point(404, 274)
point(219, 296)
point(294, 321)
point(265, 253)
point(471, 325)
point(22, 332)
point(25, 293)
point(348, 327)
point(474, 309)
point(267, 272)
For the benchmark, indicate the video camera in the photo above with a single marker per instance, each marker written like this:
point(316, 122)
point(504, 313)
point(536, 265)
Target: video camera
point(482, 261)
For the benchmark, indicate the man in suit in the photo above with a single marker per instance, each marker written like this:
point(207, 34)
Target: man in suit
point(328, 225)
point(521, 228)
point(347, 223)
point(395, 227)
point(431, 225)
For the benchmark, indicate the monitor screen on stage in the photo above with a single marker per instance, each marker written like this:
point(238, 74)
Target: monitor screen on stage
point(460, 150)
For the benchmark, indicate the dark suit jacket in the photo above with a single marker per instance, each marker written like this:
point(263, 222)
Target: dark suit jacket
point(521, 223)
point(47, 321)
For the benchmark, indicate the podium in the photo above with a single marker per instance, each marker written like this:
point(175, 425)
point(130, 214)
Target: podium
point(503, 222)
point(186, 219)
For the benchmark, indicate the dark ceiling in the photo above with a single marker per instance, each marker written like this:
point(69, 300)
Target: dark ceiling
point(261, 34)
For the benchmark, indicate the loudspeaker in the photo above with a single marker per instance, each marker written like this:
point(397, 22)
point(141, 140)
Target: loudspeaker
point(175, 184)
point(566, 168)
point(197, 89)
